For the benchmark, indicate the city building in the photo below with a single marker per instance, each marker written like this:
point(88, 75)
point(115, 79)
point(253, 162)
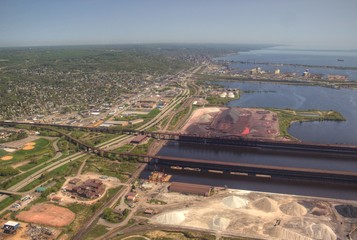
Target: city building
point(131, 196)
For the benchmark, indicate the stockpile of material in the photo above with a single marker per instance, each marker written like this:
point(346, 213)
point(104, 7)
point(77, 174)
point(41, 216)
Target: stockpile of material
point(170, 218)
point(286, 234)
point(321, 231)
point(293, 209)
point(347, 211)
point(312, 231)
point(266, 204)
point(234, 202)
point(220, 223)
point(39, 233)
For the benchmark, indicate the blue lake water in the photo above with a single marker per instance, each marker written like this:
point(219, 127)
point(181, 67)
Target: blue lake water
point(306, 97)
point(305, 57)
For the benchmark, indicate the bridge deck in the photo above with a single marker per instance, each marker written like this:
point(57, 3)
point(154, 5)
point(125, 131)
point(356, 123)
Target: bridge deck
point(255, 169)
point(225, 140)
point(246, 165)
point(224, 166)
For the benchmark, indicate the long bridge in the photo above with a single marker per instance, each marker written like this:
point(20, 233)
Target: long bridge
point(218, 166)
point(255, 169)
point(223, 140)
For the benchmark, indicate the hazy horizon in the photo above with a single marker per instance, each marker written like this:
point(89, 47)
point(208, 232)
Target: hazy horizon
point(319, 24)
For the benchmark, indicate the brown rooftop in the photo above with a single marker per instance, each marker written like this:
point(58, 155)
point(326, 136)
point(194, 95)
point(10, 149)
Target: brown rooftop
point(189, 188)
point(74, 181)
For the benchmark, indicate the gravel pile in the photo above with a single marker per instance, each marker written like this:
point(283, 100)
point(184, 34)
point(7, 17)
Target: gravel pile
point(321, 231)
point(220, 223)
point(234, 202)
point(293, 209)
point(286, 234)
point(348, 211)
point(266, 204)
point(312, 232)
point(170, 218)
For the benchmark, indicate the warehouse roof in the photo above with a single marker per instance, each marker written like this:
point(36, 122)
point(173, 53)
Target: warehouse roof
point(189, 188)
point(11, 223)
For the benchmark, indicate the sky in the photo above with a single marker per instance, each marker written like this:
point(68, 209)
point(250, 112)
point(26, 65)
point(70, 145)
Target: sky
point(318, 24)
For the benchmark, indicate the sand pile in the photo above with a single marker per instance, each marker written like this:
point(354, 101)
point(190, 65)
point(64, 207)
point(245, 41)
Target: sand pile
point(10, 150)
point(29, 146)
point(293, 209)
point(312, 232)
point(321, 231)
point(347, 211)
point(266, 204)
point(220, 223)
point(286, 234)
point(234, 202)
point(6, 158)
point(170, 218)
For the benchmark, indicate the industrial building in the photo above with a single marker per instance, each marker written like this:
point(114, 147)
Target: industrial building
point(189, 188)
point(91, 188)
point(10, 227)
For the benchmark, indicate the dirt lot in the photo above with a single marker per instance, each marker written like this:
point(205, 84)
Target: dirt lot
point(242, 122)
point(47, 214)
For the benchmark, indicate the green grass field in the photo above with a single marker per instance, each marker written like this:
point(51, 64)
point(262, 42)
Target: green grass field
point(42, 147)
point(96, 232)
point(288, 116)
point(92, 138)
point(124, 148)
point(42, 152)
point(120, 170)
point(8, 201)
point(3, 152)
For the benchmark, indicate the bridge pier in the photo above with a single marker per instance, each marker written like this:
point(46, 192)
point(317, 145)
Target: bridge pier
point(101, 153)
